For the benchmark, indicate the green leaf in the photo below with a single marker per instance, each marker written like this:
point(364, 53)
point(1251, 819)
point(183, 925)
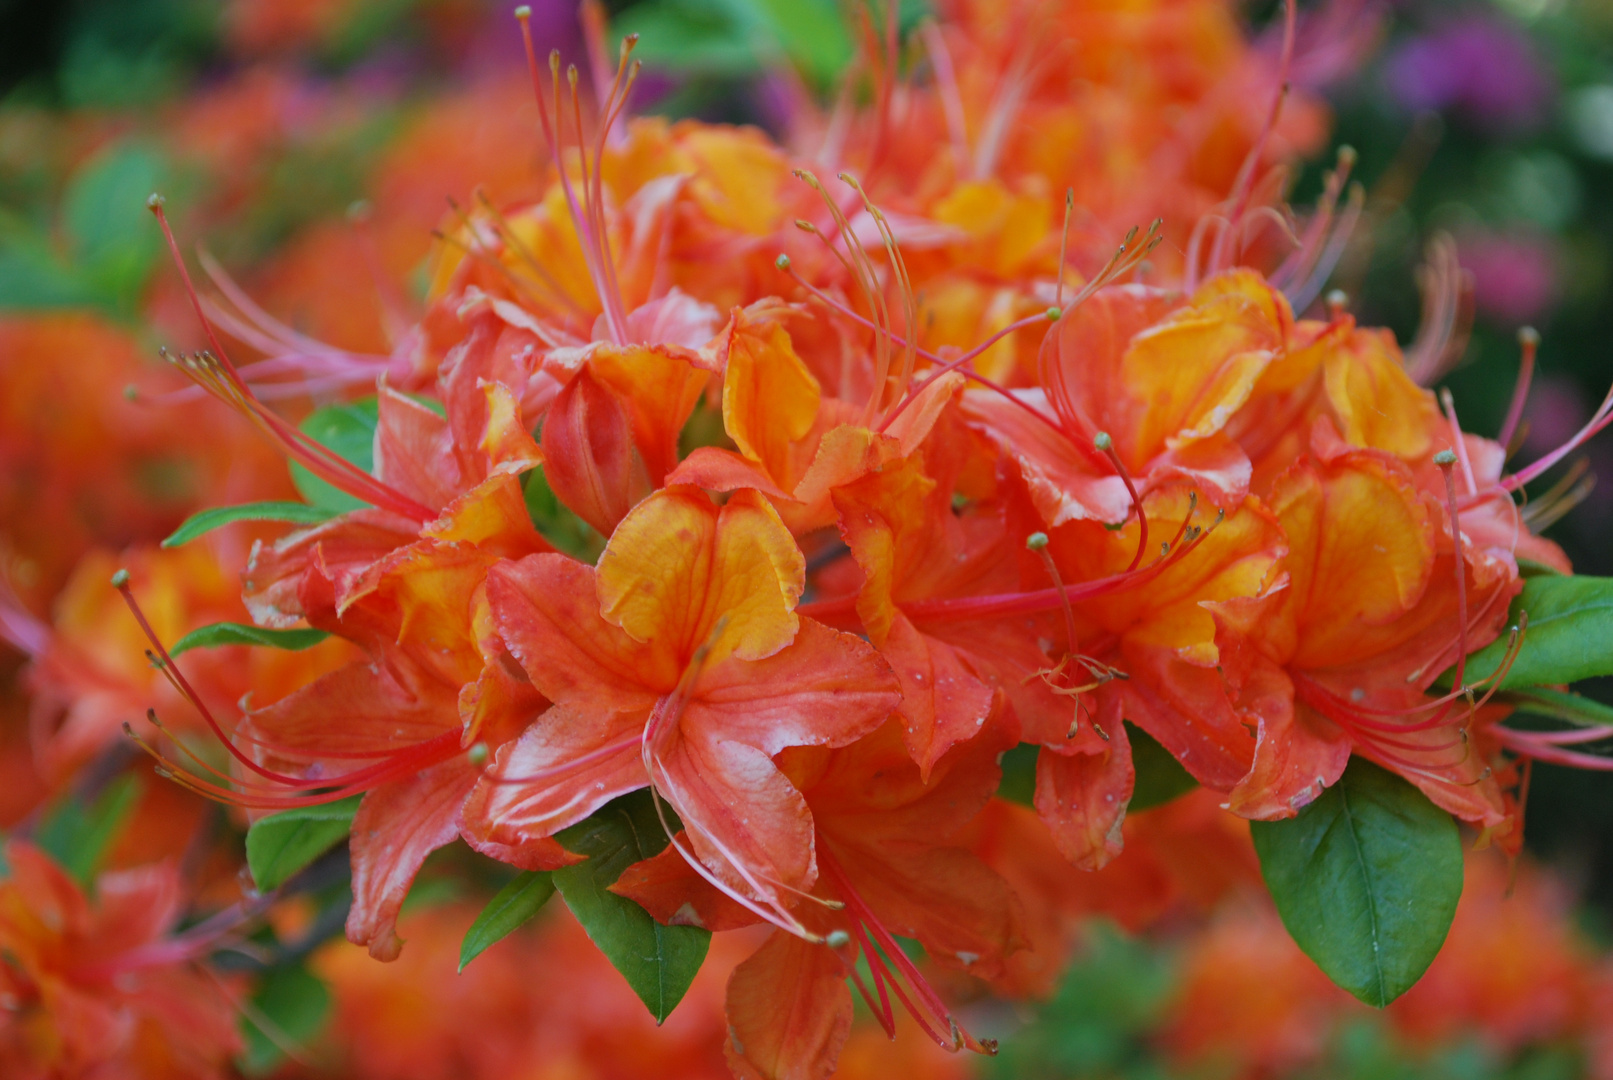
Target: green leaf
point(31, 277)
point(104, 214)
point(555, 521)
point(1019, 774)
point(205, 521)
point(279, 845)
point(1160, 777)
point(1559, 705)
point(658, 962)
point(349, 431)
point(291, 1000)
point(77, 835)
point(1569, 635)
point(511, 909)
point(230, 633)
point(1366, 879)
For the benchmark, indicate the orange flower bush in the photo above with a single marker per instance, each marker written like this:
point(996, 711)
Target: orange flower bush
point(727, 546)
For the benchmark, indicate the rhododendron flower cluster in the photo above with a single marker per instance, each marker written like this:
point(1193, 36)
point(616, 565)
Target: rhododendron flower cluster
point(826, 543)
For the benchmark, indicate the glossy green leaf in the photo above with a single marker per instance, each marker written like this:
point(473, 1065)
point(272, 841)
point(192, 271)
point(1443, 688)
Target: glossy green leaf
point(291, 1001)
point(739, 37)
point(511, 909)
point(658, 962)
point(1559, 705)
point(229, 633)
point(281, 844)
point(1160, 777)
point(1569, 634)
point(1366, 879)
point(77, 833)
point(205, 521)
point(1019, 774)
point(31, 277)
point(104, 213)
point(349, 431)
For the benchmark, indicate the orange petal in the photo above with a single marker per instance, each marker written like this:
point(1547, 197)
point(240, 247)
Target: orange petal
point(677, 565)
point(397, 826)
point(591, 460)
point(789, 1011)
point(769, 398)
point(660, 385)
point(942, 702)
point(1298, 753)
point(1377, 403)
point(1083, 796)
point(1196, 369)
point(1361, 550)
point(675, 895)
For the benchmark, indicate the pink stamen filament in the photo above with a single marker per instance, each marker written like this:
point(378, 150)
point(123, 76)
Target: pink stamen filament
point(925, 353)
point(1529, 342)
point(953, 365)
point(595, 253)
point(862, 919)
point(1461, 568)
point(1243, 186)
point(991, 605)
point(406, 759)
point(1458, 441)
point(220, 376)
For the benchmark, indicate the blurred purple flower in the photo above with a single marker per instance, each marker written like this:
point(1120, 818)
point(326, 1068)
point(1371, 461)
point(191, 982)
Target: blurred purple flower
point(1515, 274)
point(1478, 66)
point(1557, 408)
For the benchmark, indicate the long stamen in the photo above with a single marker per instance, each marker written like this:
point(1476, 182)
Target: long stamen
point(889, 948)
point(1445, 459)
point(946, 82)
point(1448, 402)
point(1528, 342)
point(1106, 446)
point(904, 283)
point(593, 255)
point(219, 376)
point(995, 605)
point(1243, 186)
point(170, 668)
point(785, 265)
point(1050, 315)
point(1064, 245)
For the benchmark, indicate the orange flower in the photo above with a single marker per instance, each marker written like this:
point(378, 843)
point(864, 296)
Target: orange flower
point(680, 663)
point(1337, 658)
point(884, 840)
point(106, 986)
